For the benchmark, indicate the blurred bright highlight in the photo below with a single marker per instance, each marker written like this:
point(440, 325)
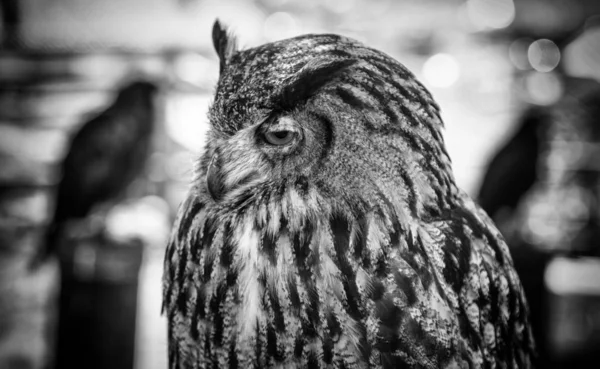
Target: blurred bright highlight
point(186, 120)
point(196, 69)
point(490, 14)
point(567, 275)
point(543, 55)
point(543, 88)
point(146, 219)
point(281, 25)
point(441, 70)
point(517, 53)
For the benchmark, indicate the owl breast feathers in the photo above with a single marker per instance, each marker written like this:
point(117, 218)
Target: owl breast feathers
point(324, 229)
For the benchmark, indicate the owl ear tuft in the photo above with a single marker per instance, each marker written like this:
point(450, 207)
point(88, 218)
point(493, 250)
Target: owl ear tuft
point(224, 42)
point(312, 76)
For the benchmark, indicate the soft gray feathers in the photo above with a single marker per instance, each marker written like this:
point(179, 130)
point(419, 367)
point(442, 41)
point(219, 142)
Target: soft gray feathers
point(349, 247)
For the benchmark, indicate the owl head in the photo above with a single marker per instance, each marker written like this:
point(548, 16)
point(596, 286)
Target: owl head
point(322, 121)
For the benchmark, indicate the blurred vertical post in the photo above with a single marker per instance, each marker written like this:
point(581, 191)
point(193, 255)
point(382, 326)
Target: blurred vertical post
point(11, 20)
point(42, 102)
point(98, 303)
point(44, 96)
point(29, 297)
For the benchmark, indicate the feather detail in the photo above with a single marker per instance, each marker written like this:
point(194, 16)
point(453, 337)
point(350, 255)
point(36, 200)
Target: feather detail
point(348, 247)
point(313, 75)
point(224, 42)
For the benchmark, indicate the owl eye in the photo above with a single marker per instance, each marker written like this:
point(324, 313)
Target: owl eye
point(279, 138)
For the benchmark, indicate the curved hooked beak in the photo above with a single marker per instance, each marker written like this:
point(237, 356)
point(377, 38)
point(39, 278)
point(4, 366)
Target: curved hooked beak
point(221, 178)
point(214, 180)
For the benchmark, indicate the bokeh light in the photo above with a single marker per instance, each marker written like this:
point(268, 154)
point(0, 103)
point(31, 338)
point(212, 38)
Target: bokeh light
point(543, 88)
point(582, 56)
point(441, 70)
point(565, 275)
point(281, 25)
point(490, 14)
point(195, 68)
point(517, 53)
point(146, 219)
point(543, 55)
point(186, 120)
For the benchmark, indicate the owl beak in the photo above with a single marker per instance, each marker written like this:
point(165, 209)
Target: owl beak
point(214, 178)
point(223, 177)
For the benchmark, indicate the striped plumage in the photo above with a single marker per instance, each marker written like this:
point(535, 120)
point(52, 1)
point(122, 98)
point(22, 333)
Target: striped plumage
point(349, 246)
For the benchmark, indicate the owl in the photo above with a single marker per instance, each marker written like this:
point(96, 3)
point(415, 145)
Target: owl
point(324, 229)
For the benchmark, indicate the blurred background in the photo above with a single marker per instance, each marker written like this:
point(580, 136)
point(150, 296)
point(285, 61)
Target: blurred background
point(103, 112)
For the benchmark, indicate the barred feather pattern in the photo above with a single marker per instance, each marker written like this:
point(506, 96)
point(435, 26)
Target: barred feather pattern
point(352, 249)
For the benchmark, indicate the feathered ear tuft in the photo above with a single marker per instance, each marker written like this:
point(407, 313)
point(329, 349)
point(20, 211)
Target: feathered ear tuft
point(310, 78)
point(224, 42)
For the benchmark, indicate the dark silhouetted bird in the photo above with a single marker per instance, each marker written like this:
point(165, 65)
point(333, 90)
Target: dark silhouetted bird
point(509, 176)
point(541, 189)
point(324, 228)
point(104, 157)
point(513, 169)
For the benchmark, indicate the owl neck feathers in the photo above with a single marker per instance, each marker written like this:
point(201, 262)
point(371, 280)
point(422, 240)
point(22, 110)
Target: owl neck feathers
point(275, 249)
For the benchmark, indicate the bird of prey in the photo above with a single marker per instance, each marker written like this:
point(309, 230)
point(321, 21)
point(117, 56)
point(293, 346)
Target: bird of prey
point(104, 157)
point(324, 229)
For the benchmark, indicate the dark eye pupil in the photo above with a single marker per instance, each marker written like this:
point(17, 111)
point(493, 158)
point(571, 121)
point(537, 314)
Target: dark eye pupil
point(281, 134)
point(279, 137)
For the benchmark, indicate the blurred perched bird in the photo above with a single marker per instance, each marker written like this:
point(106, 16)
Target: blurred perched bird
point(324, 228)
point(541, 189)
point(565, 202)
point(512, 170)
point(105, 156)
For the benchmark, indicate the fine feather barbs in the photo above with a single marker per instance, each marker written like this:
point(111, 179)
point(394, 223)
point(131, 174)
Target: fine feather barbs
point(225, 44)
point(214, 184)
point(309, 79)
point(350, 245)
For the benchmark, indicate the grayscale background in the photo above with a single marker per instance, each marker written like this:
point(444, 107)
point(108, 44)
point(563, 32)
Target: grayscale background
point(487, 62)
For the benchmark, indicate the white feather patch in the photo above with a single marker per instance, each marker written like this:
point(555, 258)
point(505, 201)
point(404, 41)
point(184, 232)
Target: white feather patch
point(296, 208)
point(274, 219)
point(376, 237)
point(249, 287)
